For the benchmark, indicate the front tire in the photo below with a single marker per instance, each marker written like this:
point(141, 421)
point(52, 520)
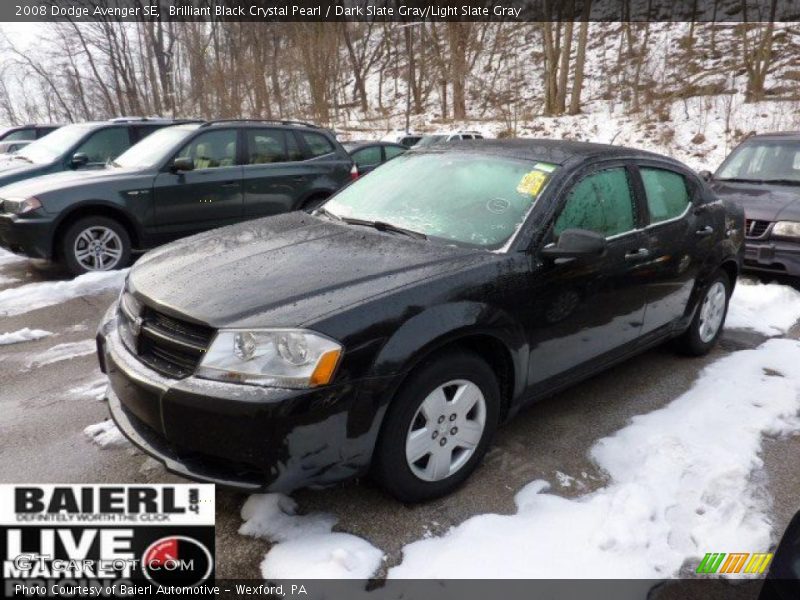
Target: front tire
point(95, 244)
point(438, 427)
point(709, 318)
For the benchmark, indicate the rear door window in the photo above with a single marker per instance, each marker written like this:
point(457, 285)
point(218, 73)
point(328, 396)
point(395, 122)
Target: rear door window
point(317, 143)
point(667, 195)
point(601, 202)
point(266, 146)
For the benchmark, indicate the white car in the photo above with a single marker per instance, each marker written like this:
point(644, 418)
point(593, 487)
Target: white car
point(405, 138)
point(439, 138)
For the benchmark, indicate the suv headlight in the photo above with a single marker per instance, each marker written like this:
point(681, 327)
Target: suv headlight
point(789, 229)
point(288, 358)
point(18, 206)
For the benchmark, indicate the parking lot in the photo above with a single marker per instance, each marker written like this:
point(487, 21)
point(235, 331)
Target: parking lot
point(52, 391)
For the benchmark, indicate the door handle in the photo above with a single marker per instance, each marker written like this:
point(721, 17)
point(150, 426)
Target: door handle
point(230, 184)
point(705, 231)
point(637, 254)
point(299, 179)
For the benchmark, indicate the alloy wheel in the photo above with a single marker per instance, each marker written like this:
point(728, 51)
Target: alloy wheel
point(712, 312)
point(446, 430)
point(98, 248)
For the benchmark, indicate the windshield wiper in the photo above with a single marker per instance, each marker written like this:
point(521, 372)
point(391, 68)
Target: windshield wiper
point(324, 211)
point(781, 181)
point(25, 158)
point(388, 227)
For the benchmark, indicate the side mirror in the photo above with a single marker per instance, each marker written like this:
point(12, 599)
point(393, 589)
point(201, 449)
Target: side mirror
point(576, 243)
point(182, 164)
point(706, 176)
point(78, 160)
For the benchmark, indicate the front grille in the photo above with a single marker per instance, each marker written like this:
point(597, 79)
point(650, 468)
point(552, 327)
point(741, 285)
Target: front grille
point(171, 346)
point(755, 229)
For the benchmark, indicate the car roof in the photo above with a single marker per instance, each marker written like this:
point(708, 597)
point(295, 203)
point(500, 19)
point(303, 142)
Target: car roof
point(546, 150)
point(782, 135)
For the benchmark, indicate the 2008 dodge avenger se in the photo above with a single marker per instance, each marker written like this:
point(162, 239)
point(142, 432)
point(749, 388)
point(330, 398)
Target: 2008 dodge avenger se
point(421, 306)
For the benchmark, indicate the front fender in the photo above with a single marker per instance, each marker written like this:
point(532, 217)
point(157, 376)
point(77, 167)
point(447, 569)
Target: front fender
point(421, 335)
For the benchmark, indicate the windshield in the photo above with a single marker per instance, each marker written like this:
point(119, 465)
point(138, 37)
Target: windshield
point(469, 199)
point(155, 148)
point(764, 160)
point(55, 144)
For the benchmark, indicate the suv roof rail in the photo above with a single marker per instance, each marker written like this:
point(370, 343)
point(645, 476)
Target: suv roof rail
point(155, 119)
point(270, 121)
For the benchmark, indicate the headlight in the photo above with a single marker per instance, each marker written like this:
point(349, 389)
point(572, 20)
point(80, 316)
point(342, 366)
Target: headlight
point(18, 206)
point(786, 229)
point(288, 358)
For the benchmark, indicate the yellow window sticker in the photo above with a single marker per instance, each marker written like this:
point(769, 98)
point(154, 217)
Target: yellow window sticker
point(532, 183)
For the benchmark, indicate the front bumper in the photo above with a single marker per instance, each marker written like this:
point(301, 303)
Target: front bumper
point(773, 256)
point(242, 436)
point(31, 237)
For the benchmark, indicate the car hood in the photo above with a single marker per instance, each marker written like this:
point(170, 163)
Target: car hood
point(64, 180)
point(13, 170)
point(286, 271)
point(763, 202)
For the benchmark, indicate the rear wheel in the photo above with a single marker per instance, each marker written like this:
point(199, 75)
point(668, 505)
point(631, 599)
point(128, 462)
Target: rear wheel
point(438, 427)
point(709, 319)
point(95, 244)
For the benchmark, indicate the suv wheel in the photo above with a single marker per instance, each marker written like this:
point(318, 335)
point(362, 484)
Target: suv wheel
point(709, 319)
point(95, 244)
point(438, 427)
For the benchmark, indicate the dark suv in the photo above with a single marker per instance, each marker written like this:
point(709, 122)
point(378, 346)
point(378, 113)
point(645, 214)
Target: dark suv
point(422, 305)
point(179, 181)
point(78, 146)
point(26, 132)
point(762, 175)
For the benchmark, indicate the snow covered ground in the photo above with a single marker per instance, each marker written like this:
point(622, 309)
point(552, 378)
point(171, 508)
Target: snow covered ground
point(32, 296)
point(682, 481)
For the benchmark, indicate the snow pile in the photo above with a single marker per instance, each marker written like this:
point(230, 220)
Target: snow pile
point(32, 296)
point(771, 309)
point(106, 435)
point(680, 486)
point(7, 258)
point(94, 389)
point(306, 547)
point(23, 335)
point(61, 352)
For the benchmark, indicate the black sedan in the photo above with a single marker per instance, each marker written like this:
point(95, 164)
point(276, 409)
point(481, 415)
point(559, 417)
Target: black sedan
point(416, 310)
point(369, 155)
point(762, 175)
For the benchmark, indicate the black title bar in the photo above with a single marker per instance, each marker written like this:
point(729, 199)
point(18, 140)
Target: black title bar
point(749, 11)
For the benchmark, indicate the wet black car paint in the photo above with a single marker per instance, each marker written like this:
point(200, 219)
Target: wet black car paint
point(392, 301)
